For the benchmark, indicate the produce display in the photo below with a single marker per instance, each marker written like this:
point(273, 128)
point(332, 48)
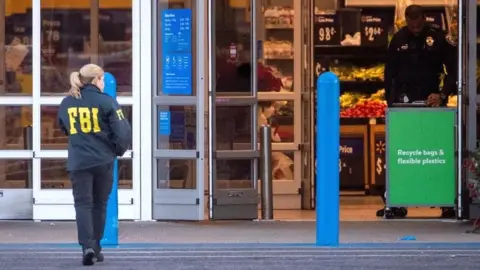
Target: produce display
point(355, 105)
point(353, 73)
point(452, 102)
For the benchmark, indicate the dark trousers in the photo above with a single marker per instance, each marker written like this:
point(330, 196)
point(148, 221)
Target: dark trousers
point(91, 189)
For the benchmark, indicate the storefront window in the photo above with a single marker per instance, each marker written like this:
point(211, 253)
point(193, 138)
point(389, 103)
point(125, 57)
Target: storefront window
point(279, 115)
point(75, 33)
point(54, 174)
point(234, 128)
point(52, 136)
point(233, 47)
point(278, 48)
point(15, 80)
point(16, 77)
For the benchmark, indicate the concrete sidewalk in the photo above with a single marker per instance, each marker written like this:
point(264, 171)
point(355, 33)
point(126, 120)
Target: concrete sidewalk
point(246, 232)
point(251, 258)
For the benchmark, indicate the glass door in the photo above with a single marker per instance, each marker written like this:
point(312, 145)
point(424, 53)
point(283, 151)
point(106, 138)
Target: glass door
point(15, 110)
point(67, 35)
point(280, 93)
point(233, 109)
point(178, 110)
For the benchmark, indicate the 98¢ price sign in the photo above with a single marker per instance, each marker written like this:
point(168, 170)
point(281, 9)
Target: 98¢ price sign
point(326, 33)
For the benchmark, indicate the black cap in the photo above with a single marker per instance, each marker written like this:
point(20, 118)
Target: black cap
point(414, 12)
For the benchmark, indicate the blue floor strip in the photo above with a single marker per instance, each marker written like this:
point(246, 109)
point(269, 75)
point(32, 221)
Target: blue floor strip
point(397, 245)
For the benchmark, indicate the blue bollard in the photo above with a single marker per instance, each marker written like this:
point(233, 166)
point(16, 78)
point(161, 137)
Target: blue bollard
point(327, 153)
point(110, 237)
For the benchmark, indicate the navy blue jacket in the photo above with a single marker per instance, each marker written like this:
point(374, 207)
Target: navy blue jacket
point(96, 128)
point(415, 63)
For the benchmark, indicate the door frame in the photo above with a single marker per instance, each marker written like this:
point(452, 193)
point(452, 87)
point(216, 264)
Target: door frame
point(287, 193)
point(178, 204)
point(16, 203)
point(232, 203)
point(58, 204)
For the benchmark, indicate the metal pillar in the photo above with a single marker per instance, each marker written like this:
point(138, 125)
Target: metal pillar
point(460, 86)
point(266, 172)
point(28, 145)
point(211, 106)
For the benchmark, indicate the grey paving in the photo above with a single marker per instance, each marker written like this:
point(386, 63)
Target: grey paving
point(243, 232)
point(251, 258)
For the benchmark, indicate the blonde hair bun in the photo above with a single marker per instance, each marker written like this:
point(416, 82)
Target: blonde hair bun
point(86, 75)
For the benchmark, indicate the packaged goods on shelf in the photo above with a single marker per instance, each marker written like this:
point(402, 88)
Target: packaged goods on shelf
point(452, 102)
point(278, 49)
point(278, 17)
point(350, 40)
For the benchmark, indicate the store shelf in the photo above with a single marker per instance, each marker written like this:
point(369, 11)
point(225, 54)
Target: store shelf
point(279, 58)
point(351, 52)
point(279, 27)
point(354, 121)
point(367, 87)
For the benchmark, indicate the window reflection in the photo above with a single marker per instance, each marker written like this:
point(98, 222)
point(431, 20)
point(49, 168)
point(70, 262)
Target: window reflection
point(54, 174)
point(282, 166)
point(232, 31)
point(180, 131)
point(52, 137)
point(234, 174)
point(176, 174)
point(115, 42)
point(234, 128)
point(68, 43)
point(278, 114)
point(15, 173)
point(16, 118)
point(16, 77)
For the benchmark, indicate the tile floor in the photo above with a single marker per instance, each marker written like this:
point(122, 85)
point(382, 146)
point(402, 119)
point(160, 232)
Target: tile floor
point(357, 208)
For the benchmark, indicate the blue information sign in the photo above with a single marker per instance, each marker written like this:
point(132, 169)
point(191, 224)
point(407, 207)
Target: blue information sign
point(177, 52)
point(164, 123)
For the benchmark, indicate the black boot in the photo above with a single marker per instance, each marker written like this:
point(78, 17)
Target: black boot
point(88, 256)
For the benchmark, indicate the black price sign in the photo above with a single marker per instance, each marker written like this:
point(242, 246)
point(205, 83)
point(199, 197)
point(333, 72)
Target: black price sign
point(326, 30)
point(375, 31)
point(321, 66)
point(351, 164)
point(51, 34)
point(379, 161)
point(436, 19)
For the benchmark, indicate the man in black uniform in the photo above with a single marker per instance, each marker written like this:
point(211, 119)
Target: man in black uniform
point(97, 133)
point(417, 55)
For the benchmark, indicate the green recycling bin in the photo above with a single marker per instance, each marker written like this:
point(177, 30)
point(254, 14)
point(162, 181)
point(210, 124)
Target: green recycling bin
point(420, 157)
